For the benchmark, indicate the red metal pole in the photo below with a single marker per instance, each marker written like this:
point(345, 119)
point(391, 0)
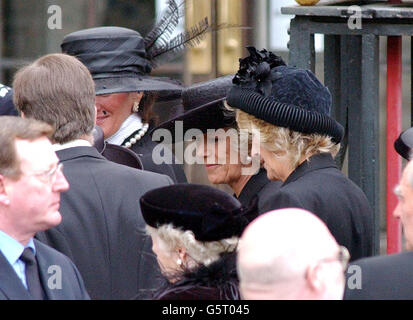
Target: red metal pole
point(394, 127)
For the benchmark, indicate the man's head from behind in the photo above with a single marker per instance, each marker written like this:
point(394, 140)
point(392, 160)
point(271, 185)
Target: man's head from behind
point(290, 254)
point(30, 178)
point(59, 90)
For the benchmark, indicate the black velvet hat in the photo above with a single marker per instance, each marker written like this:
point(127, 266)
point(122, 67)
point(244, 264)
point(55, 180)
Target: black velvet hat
point(204, 108)
point(211, 214)
point(282, 95)
point(404, 144)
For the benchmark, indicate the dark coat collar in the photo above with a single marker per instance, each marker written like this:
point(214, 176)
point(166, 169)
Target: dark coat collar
point(315, 162)
point(217, 281)
point(78, 152)
point(253, 186)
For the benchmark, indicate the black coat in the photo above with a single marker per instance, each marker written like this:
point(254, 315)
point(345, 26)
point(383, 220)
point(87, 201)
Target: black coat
point(319, 187)
point(103, 230)
point(72, 287)
point(144, 148)
point(261, 186)
point(218, 281)
point(382, 278)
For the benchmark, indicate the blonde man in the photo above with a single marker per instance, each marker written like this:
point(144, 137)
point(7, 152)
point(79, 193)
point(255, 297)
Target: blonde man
point(289, 110)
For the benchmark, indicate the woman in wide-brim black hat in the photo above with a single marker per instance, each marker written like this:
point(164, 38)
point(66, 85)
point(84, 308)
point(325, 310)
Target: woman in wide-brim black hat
point(219, 140)
point(120, 61)
point(288, 108)
point(195, 241)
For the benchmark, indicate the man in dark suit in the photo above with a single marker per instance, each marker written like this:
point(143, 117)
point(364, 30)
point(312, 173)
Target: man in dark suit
point(102, 229)
point(31, 181)
point(388, 277)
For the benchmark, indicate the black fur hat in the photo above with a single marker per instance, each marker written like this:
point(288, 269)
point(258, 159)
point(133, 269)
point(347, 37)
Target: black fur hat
point(204, 108)
point(282, 95)
point(211, 214)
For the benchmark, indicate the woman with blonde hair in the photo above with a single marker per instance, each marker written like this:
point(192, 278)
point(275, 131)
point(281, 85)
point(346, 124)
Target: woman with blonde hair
point(195, 231)
point(288, 109)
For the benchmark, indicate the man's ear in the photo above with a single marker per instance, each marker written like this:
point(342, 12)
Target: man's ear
point(315, 277)
point(4, 197)
point(22, 114)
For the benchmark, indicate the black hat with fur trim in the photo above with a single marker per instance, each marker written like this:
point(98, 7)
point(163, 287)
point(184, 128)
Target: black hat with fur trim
point(404, 144)
point(282, 95)
point(204, 108)
point(211, 214)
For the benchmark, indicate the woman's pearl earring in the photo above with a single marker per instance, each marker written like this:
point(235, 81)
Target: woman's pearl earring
point(135, 107)
point(179, 262)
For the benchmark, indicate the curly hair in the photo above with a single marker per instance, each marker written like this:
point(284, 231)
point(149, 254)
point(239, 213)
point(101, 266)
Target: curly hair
point(284, 142)
point(203, 253)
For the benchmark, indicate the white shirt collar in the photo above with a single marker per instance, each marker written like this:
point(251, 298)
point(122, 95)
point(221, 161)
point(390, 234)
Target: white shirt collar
point(128, 127)
point(71, 144)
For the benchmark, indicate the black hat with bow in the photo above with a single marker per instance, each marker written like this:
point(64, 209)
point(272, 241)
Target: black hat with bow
point(211, 214)
point(282, 95)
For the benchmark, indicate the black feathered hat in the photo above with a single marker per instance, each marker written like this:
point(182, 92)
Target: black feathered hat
point(121, 60)
point(404, 144)
point(211, 214)
point(204, 108)
point(282, 95)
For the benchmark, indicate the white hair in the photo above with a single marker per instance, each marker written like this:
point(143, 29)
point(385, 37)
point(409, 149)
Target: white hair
point(203, 253)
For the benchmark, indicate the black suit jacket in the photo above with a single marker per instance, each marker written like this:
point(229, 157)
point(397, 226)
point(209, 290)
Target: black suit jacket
point(72, 287)
point(103, 230)
point(261, 186)
point(382, 278)
point(318, 186)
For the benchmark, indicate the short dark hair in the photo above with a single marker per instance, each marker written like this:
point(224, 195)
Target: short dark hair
point(12, 128)
point(59, 90)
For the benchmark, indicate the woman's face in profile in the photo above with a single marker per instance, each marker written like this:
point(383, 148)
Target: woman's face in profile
point(222, 163)
point(112, 111)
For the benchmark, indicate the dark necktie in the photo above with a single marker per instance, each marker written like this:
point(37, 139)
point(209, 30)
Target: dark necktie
point(32, 274)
